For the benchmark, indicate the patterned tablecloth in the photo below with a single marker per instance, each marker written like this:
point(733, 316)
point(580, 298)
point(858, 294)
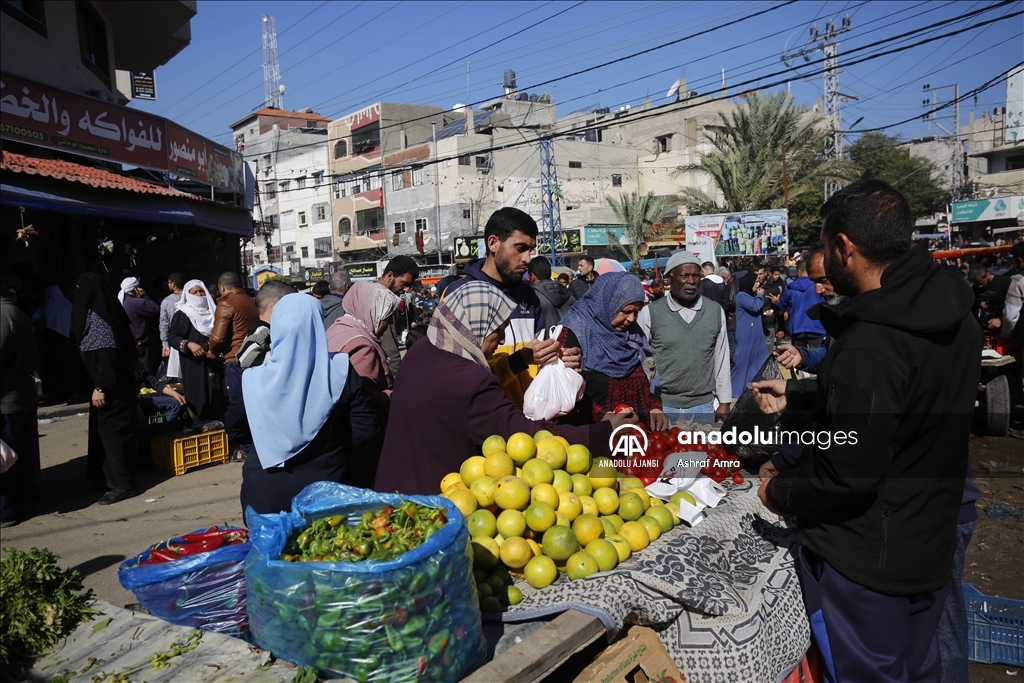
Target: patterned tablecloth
point(723, 596)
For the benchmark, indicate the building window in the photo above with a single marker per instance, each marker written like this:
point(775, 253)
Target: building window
point(320, 213)
point(92, 41)
point(302, 217)
point(266, 162)
point(305, 252)
point(344, 227)
point(322, 247)
point(421, 225)
point(285, 185)
point(273, 254)
point(417, 175)
point(399, 227)
point(340, 149)
point(481, 162)
point(301, 183)
point(616, 180)
point(661, 144)
point(466, 214)
point(289, 248)
point(464, 160)
point(369, 220)
point(318, 179)
point(575, 164)
point(271, 191)
point(366, 139)
point(396, 181)
point(1015, 163)
point(28, 12)
point(375, 181)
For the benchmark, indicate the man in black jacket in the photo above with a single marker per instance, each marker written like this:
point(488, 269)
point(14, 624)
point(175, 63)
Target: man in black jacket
point(876, 496)
point(555, 300)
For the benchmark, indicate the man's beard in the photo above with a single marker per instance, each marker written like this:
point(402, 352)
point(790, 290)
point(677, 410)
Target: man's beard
point(505, 269)
point(841, 278)
point(833, 299)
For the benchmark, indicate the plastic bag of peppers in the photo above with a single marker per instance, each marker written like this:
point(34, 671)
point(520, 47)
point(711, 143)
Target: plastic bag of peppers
point(411, 618)
point(195, 580)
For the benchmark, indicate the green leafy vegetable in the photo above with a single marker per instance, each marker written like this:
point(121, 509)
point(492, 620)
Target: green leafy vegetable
point(40, 604)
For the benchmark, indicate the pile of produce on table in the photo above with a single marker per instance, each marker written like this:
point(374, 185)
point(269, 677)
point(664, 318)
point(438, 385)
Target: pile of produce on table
point(363, 585)
point(40, 604)
point(381, 535)
point(195, 580)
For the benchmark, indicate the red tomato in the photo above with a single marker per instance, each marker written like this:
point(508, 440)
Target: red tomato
point(622, 407)
point(737, 478)
point(659, 447)
point(647, 481)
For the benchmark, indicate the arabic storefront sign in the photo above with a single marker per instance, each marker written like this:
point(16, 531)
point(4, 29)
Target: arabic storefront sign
point(48, 117)
point(755, 233)
point(597, 235)
point(998, 209)
point(566, 242)
point(361, 271)
point(467, 248)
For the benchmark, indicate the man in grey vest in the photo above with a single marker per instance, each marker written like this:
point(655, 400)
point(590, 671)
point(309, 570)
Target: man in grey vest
point(687, 333)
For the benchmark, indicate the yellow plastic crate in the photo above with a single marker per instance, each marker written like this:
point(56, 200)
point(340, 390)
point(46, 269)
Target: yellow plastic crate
point(174, 454)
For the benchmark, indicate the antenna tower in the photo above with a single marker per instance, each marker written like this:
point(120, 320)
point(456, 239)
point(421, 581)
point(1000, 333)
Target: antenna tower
point(827, 45)
point(551, 213)
point(957, 179)
point(273, 93)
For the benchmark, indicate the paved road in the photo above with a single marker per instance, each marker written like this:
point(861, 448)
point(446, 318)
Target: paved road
point(95, 539)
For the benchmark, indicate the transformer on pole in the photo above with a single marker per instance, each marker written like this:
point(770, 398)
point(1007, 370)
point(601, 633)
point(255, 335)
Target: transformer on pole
point(551, 213)
point(273, 91)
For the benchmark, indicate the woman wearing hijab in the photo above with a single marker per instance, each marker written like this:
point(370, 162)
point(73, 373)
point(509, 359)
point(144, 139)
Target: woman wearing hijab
point(450, 373)
point(368, 310)
point(603, 325)
point(99, 325)
point(307, 409)
point(751, 350)
point(189, 334)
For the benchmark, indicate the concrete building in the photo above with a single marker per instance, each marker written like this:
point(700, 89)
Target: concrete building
point(358, 145)
point(995, 167)
point(287, 153)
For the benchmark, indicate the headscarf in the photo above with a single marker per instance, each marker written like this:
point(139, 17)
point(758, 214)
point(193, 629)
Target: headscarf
point(367, 304)
point(57, 311)
point(466, 316)
point(199, 309)
point(605, 349)
point(93, 293)
point(127, 285)
point(746, 283)
point(290, 396)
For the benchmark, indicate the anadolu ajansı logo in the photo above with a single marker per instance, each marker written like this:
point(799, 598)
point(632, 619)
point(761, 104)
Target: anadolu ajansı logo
point(628, 441)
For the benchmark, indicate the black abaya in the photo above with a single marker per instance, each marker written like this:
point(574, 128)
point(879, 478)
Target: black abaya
point(202, 376)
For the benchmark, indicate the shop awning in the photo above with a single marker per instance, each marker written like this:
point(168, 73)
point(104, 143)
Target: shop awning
point(55, 185)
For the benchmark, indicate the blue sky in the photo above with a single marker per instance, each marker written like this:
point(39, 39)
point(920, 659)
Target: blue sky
point(338, 57)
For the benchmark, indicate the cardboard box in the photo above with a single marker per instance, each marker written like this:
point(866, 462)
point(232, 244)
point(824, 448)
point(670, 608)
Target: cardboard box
point(638, 658)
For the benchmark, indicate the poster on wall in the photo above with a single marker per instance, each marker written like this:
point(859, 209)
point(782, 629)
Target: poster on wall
point(752, 233)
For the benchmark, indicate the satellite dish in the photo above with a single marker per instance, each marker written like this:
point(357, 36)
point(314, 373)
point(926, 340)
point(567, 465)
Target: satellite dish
point(674, 90)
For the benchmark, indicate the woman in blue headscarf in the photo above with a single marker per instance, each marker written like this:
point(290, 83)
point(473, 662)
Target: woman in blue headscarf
point(307, 408)
point(603, 325)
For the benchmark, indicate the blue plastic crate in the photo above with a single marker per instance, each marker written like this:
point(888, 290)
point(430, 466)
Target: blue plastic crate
point(995, 628)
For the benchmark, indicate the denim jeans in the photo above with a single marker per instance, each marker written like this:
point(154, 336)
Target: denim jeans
point(953, 624)
point(166, 405)
point(704, 413)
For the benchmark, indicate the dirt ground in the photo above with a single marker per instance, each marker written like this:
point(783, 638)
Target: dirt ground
point(995, 558)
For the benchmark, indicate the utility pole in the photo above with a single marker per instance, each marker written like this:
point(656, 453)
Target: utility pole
point(551, 213)
point(785, 180)
point(437, 194)
point(957, 162)
point(827, 45)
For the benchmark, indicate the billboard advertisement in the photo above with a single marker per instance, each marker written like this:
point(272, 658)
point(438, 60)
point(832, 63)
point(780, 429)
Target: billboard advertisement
point(751, 233)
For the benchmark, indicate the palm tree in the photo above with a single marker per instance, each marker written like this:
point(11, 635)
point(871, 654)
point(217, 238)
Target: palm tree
point(746, 163)
point(642, 216)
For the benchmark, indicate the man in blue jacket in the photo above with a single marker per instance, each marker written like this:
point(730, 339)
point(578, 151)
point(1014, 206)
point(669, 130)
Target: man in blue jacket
point(800, 296)
point(877, 513)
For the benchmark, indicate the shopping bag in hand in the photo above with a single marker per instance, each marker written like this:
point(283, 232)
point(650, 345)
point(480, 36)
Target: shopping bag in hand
point(7, 457)
point(554, 391)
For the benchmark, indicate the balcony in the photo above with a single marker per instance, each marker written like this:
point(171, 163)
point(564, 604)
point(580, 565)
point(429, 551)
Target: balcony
point(147, 35)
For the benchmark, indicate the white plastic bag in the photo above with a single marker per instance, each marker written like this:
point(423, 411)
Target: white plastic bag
point(7, 457)
point(554, 391)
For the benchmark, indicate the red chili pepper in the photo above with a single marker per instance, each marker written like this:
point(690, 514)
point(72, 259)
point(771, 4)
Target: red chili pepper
point(421, 666)
point(387, 511)
point(163, 555)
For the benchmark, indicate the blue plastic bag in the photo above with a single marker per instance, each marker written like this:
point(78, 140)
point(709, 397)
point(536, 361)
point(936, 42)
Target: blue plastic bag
point(205, 591)
point(412, 618)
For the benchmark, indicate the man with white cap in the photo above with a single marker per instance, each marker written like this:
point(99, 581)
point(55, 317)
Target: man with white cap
point(687, 334)
point(144, 316)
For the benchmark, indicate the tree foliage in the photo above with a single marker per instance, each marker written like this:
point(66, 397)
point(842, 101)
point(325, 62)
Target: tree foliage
point(885, 157)
point(642, 215)
point(746, 162)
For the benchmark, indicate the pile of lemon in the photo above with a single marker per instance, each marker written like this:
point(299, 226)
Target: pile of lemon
point(538, 505)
